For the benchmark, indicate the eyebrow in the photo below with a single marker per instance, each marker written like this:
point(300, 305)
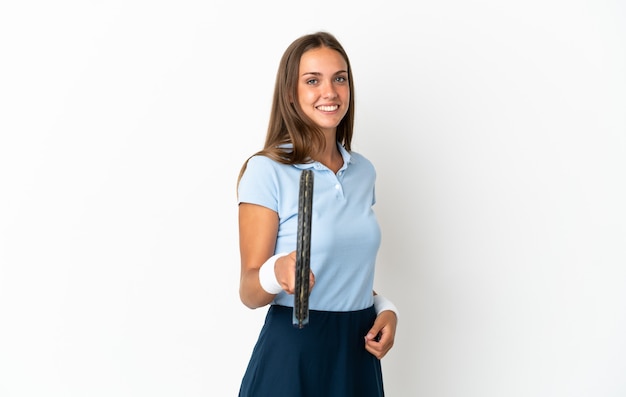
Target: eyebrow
point(319, 74)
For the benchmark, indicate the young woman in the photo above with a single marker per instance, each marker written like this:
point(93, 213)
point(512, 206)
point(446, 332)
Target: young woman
point(350, 328)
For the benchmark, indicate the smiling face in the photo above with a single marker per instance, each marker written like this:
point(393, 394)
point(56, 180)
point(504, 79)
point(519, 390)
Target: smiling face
point(324, 87)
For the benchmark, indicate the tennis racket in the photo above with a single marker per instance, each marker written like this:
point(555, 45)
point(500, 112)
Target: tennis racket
point(303, 250)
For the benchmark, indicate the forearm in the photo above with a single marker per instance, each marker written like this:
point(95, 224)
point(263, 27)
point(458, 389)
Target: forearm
point(250, 291)
point(258, 228)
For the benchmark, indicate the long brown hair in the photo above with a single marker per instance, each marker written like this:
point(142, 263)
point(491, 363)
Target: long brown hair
point(288, 124)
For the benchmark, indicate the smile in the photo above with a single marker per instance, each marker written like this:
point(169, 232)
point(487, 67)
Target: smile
point(328, 108)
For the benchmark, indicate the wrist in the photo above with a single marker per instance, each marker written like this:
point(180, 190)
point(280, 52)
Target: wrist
point(267, 276)
point(382, 304)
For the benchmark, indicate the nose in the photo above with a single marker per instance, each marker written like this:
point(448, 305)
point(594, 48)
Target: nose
point(329, 90)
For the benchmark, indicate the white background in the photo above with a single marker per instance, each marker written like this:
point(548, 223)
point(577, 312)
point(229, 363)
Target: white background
point(498, 130)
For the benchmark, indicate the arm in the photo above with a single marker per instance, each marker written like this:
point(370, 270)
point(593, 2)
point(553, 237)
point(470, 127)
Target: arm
point(380, 338)
point(258, 228)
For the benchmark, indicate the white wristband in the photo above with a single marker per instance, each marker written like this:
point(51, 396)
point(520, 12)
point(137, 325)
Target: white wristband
point(381, 304)
point(267, 277)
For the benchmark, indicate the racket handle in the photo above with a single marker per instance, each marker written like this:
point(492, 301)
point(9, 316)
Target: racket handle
point(303, 250)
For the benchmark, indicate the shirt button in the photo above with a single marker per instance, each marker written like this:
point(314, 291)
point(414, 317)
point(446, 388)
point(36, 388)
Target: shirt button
point(337, 187)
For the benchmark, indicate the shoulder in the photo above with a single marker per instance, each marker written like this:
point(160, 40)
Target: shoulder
point(259, 182)
point(362, 162)
point(262, 164)
point(261, 169)
point(260, 160)
point(357, 156)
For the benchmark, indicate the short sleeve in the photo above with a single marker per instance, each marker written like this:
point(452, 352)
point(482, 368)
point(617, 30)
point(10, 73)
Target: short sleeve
point(259, 183)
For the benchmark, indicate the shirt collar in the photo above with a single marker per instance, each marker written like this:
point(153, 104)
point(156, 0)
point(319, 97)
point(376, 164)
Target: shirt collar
point(347, 159)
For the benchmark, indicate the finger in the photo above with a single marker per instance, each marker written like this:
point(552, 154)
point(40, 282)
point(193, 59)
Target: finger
point(374, 332)
point(375, 348)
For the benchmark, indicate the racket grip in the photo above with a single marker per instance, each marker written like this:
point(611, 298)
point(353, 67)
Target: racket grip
point(303, 250)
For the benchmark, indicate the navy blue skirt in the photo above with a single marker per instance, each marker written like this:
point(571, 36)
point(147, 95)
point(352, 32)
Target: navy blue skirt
point(326, 358)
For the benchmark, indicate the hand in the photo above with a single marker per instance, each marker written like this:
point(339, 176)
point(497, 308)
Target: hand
point(285, 271)
point(380, 338)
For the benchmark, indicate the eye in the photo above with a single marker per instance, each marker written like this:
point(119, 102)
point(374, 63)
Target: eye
point(341, 79)
point(311, 81)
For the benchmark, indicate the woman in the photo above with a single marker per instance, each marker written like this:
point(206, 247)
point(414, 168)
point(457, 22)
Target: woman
point(350, 327)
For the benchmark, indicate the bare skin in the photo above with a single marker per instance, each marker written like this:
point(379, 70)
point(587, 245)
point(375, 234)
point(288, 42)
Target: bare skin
point(385, 327)
point(323, 94)
point(258, 228)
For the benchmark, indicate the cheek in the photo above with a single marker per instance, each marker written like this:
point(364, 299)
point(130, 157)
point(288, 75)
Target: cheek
point(346, 93)
point(305, 96)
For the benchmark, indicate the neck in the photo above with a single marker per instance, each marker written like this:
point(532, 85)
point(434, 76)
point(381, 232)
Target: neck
point(330, 156)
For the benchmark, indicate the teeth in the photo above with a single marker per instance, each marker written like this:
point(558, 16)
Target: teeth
point(328, 108)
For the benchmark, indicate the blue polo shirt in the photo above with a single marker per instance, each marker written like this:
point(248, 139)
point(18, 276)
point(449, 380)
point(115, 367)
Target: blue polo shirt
point(345, 235)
